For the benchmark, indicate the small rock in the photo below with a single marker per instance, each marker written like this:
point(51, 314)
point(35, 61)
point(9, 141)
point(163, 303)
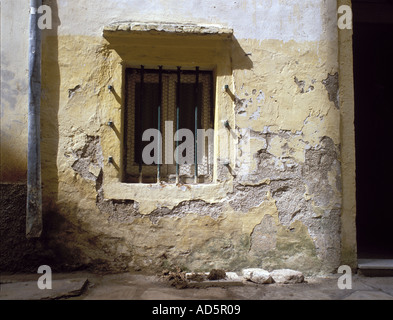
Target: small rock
point(94, 170)
point(287, 276)
point(198, 277)
point(257, 275)
point(233, 276)
point(216, 274)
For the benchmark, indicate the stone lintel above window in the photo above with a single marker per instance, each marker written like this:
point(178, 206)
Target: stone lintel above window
point(212, 30)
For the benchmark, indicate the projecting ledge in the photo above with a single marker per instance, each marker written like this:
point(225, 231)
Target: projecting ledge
point(168, 28)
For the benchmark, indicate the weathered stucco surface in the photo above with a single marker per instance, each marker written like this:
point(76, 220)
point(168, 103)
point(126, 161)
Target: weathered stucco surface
point(279, 203)
point(348, 161)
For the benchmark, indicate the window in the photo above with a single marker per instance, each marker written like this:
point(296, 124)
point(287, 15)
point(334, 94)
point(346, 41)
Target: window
point(177, 105)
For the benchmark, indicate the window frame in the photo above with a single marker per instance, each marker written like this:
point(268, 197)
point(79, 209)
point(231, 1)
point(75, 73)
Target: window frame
point(206, 120)
point(209, 48)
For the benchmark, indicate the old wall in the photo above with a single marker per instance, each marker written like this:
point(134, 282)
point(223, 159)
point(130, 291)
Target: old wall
point(280, 203)
point(348, 161)
point(13, 115)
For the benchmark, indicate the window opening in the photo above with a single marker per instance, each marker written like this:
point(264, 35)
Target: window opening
point(168, 101)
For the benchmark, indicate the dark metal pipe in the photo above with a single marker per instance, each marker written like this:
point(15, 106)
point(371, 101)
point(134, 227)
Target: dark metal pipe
point(34, 193)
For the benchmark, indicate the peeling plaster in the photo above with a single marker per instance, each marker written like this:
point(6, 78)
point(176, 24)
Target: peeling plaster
point(332, 87)
point(297, 190)
point(302, 84)
point(88, 158)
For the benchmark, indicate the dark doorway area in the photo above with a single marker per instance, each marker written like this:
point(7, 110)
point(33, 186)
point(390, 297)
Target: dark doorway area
point(373, 81)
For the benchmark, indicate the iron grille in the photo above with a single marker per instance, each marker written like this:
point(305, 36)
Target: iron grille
point(155, 98)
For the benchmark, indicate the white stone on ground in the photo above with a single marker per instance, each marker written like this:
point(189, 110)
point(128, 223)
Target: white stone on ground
point(257, 275)
point(233, 276)
point(287, 276)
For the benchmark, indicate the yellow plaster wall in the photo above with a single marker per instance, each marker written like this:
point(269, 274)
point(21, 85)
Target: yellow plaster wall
point(76, 73)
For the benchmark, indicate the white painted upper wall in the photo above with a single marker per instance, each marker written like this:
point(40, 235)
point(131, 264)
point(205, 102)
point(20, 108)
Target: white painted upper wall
point(298, 20)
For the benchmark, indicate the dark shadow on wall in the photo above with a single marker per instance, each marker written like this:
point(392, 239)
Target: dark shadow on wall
point(197, 46)
point(19, 254)
point(50, 96)
point(373, 68)
point(58, 247)
point(240, 59)
point(63, 245)
point(13, 164)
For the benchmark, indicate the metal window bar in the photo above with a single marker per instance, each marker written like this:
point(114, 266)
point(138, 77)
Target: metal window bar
point(125, 121)
point(140, 121)
point(177, 122)
point(212, 111)
point(196, 126)
point(159, 124)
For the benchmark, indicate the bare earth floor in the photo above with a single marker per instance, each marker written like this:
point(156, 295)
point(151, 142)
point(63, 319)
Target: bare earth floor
point(88, 286)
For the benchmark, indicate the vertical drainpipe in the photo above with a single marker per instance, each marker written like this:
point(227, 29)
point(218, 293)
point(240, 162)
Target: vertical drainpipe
point(34, 196)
